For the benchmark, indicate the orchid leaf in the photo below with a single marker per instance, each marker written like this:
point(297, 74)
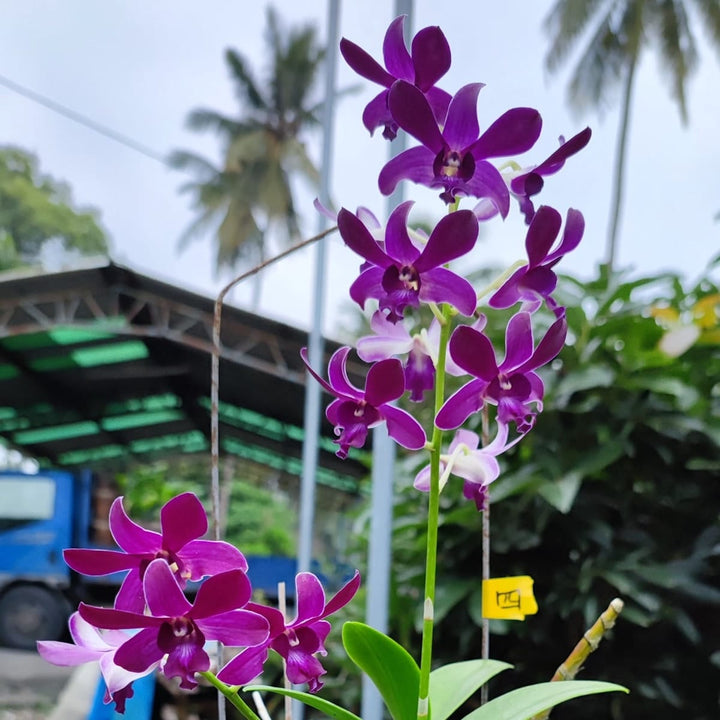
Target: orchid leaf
point(451, 685)
point(526, 702)
point(390, 667)
point(330, 709)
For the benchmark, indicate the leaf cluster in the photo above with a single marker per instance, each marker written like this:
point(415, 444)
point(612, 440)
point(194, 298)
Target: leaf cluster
point(35, 208)
point(615, 492)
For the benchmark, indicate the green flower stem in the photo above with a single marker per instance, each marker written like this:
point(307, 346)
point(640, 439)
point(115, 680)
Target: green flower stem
point(231, 694)
point(432, 523)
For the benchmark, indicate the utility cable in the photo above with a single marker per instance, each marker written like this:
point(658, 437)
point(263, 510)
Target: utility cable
point(84, 120)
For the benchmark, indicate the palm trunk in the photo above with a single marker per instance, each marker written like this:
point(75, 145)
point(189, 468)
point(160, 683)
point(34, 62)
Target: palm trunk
point(619, 175)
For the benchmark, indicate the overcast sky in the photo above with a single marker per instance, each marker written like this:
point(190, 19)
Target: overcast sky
point(140, 67)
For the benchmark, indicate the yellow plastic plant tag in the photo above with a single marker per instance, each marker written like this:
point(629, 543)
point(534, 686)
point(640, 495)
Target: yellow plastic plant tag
point(508, 598)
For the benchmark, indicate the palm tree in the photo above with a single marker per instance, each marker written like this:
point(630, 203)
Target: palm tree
point(262, 149)
point(619, 31)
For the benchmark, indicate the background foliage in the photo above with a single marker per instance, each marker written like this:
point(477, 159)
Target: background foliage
point(615, 492)
point(36, 208)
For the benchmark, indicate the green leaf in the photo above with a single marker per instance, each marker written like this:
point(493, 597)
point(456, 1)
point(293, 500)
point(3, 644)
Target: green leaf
point(451, 685)
point(526, 702)
point(330, 709)
point(390, 667)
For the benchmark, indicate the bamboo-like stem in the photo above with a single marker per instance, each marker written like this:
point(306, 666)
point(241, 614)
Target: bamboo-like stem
point(432, 526)
point(587, 644)
point(485, 627)
point(215, 412)
point(215, 369)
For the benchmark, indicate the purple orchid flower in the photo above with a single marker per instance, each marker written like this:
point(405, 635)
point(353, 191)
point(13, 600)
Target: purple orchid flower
point(455, 158)
point(422, 348)
point(530, 182)
point(527, 182)
point(353, 411)
point(534, 282)
point(478, 466)
point(298, 641)
point(92, 645)
point(513, 385)
point(183, 520)
point(428, 61)
point(178, 629)
point(399, 274)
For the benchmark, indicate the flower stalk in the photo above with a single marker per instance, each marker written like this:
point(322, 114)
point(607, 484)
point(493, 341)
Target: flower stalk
point(433, 522)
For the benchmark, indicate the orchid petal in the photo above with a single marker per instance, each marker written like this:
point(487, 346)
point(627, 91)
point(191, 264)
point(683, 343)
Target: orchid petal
point(398, 245)
point(245, 667)
point(337, 375)
point(367, 285)
point(385, 382)
point(555, 161)
point(431, 57)
point(441, 285)
point(458, 407)
point(439, 102)
point(413, 113)
point(86, 635)
point(131, 596)
point(66, 654)
point(162, 592)
point(395, 54)
point(310, 598)
point(364, 64)
point(221, 593)
point(541, 234)
point(404, 428)
point(518, 342)
point(415, 164)
point(377, 113)
point(487, 182)
point(390, 339)
point(117, 678)
point(98, 562)
point(461, 126)
point(508, 294)
point(235, 628)
point(422, 480)
point(129, 535)
point(209, 557)
point(453, 237)
point(140, 651)
point(343, 596)
point(473, 352)
point(116, 619)
point(358, 238)
point(182, 519)
point(514, 132)
point(549, 347)
point(574, 228)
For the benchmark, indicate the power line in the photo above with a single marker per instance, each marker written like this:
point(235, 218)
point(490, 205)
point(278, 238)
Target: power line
point(84, 120)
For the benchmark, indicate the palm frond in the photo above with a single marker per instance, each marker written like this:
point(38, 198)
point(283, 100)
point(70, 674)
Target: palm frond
point(186, 160)
point(565, 24)
point(246, 86)
point(599, 69)
point(202, 119)
point(678, 51)
point(709, 11)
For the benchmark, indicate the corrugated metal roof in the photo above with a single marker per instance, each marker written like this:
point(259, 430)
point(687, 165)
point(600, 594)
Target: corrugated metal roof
point(102, 363)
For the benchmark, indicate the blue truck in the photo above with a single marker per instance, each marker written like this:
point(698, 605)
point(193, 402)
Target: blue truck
point(43, 513)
